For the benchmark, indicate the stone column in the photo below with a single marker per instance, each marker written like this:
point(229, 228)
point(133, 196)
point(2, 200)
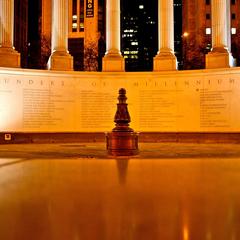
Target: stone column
point(220, 57)
point(9, 57)
point(113, 59)
point(165, 59)
point(60, 59)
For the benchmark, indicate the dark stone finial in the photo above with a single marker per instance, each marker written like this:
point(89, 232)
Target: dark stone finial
point(122, 117)
point(122, 95)
point(122, 141)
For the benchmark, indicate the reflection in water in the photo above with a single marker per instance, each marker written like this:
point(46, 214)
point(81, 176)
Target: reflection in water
point(185, 220)
point(137, 200)
point(122, 165)
point(185, 232)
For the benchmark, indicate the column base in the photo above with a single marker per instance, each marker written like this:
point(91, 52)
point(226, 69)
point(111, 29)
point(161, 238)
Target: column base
point(9, 57)
point(219, 60)
point(165, 62)
point(60, 61)
point(113, 63)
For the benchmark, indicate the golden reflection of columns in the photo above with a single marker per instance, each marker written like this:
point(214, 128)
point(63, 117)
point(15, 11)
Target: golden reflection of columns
point(60, 59)
point(113, 59)
point(220, 56)
point(8, 56)
point(165, 58)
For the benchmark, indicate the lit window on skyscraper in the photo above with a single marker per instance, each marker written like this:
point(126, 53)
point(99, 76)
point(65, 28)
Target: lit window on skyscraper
point(208, 31)
point(233, 30)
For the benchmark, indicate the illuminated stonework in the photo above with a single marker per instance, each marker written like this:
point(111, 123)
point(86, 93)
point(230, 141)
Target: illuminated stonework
point(60, 59)
point(165, 59)
point(113, 59)
point(176, 101)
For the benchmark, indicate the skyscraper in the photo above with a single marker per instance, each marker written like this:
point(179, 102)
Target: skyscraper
point(140, 33)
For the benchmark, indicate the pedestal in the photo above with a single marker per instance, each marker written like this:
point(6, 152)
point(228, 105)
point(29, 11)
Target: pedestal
point(165, 62)
point(9, 57)
point(219, 60)
point(113, 63)
point(61, 61)
point(122, 143)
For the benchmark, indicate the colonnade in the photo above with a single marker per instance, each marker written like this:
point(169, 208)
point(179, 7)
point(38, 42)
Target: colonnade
point(113, 60)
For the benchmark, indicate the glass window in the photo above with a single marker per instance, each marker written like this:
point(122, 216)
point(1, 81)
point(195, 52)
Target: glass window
point(81, 16)
point(208, 31)
point(77, 16)
point(74, 15)
point(233, 30)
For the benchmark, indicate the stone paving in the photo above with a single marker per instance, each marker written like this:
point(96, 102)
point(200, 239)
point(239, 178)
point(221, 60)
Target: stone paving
point(98, 150)
point(170, 191)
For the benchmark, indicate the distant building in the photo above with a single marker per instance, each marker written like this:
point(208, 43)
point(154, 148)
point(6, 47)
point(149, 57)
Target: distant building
point(197, 31)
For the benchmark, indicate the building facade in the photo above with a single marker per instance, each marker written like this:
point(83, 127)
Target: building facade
point(197, 31)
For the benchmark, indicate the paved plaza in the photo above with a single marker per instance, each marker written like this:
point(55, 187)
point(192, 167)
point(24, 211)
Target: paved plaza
point(170, 191)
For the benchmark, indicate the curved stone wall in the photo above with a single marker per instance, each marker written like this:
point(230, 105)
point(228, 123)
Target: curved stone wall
point(181, 101)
